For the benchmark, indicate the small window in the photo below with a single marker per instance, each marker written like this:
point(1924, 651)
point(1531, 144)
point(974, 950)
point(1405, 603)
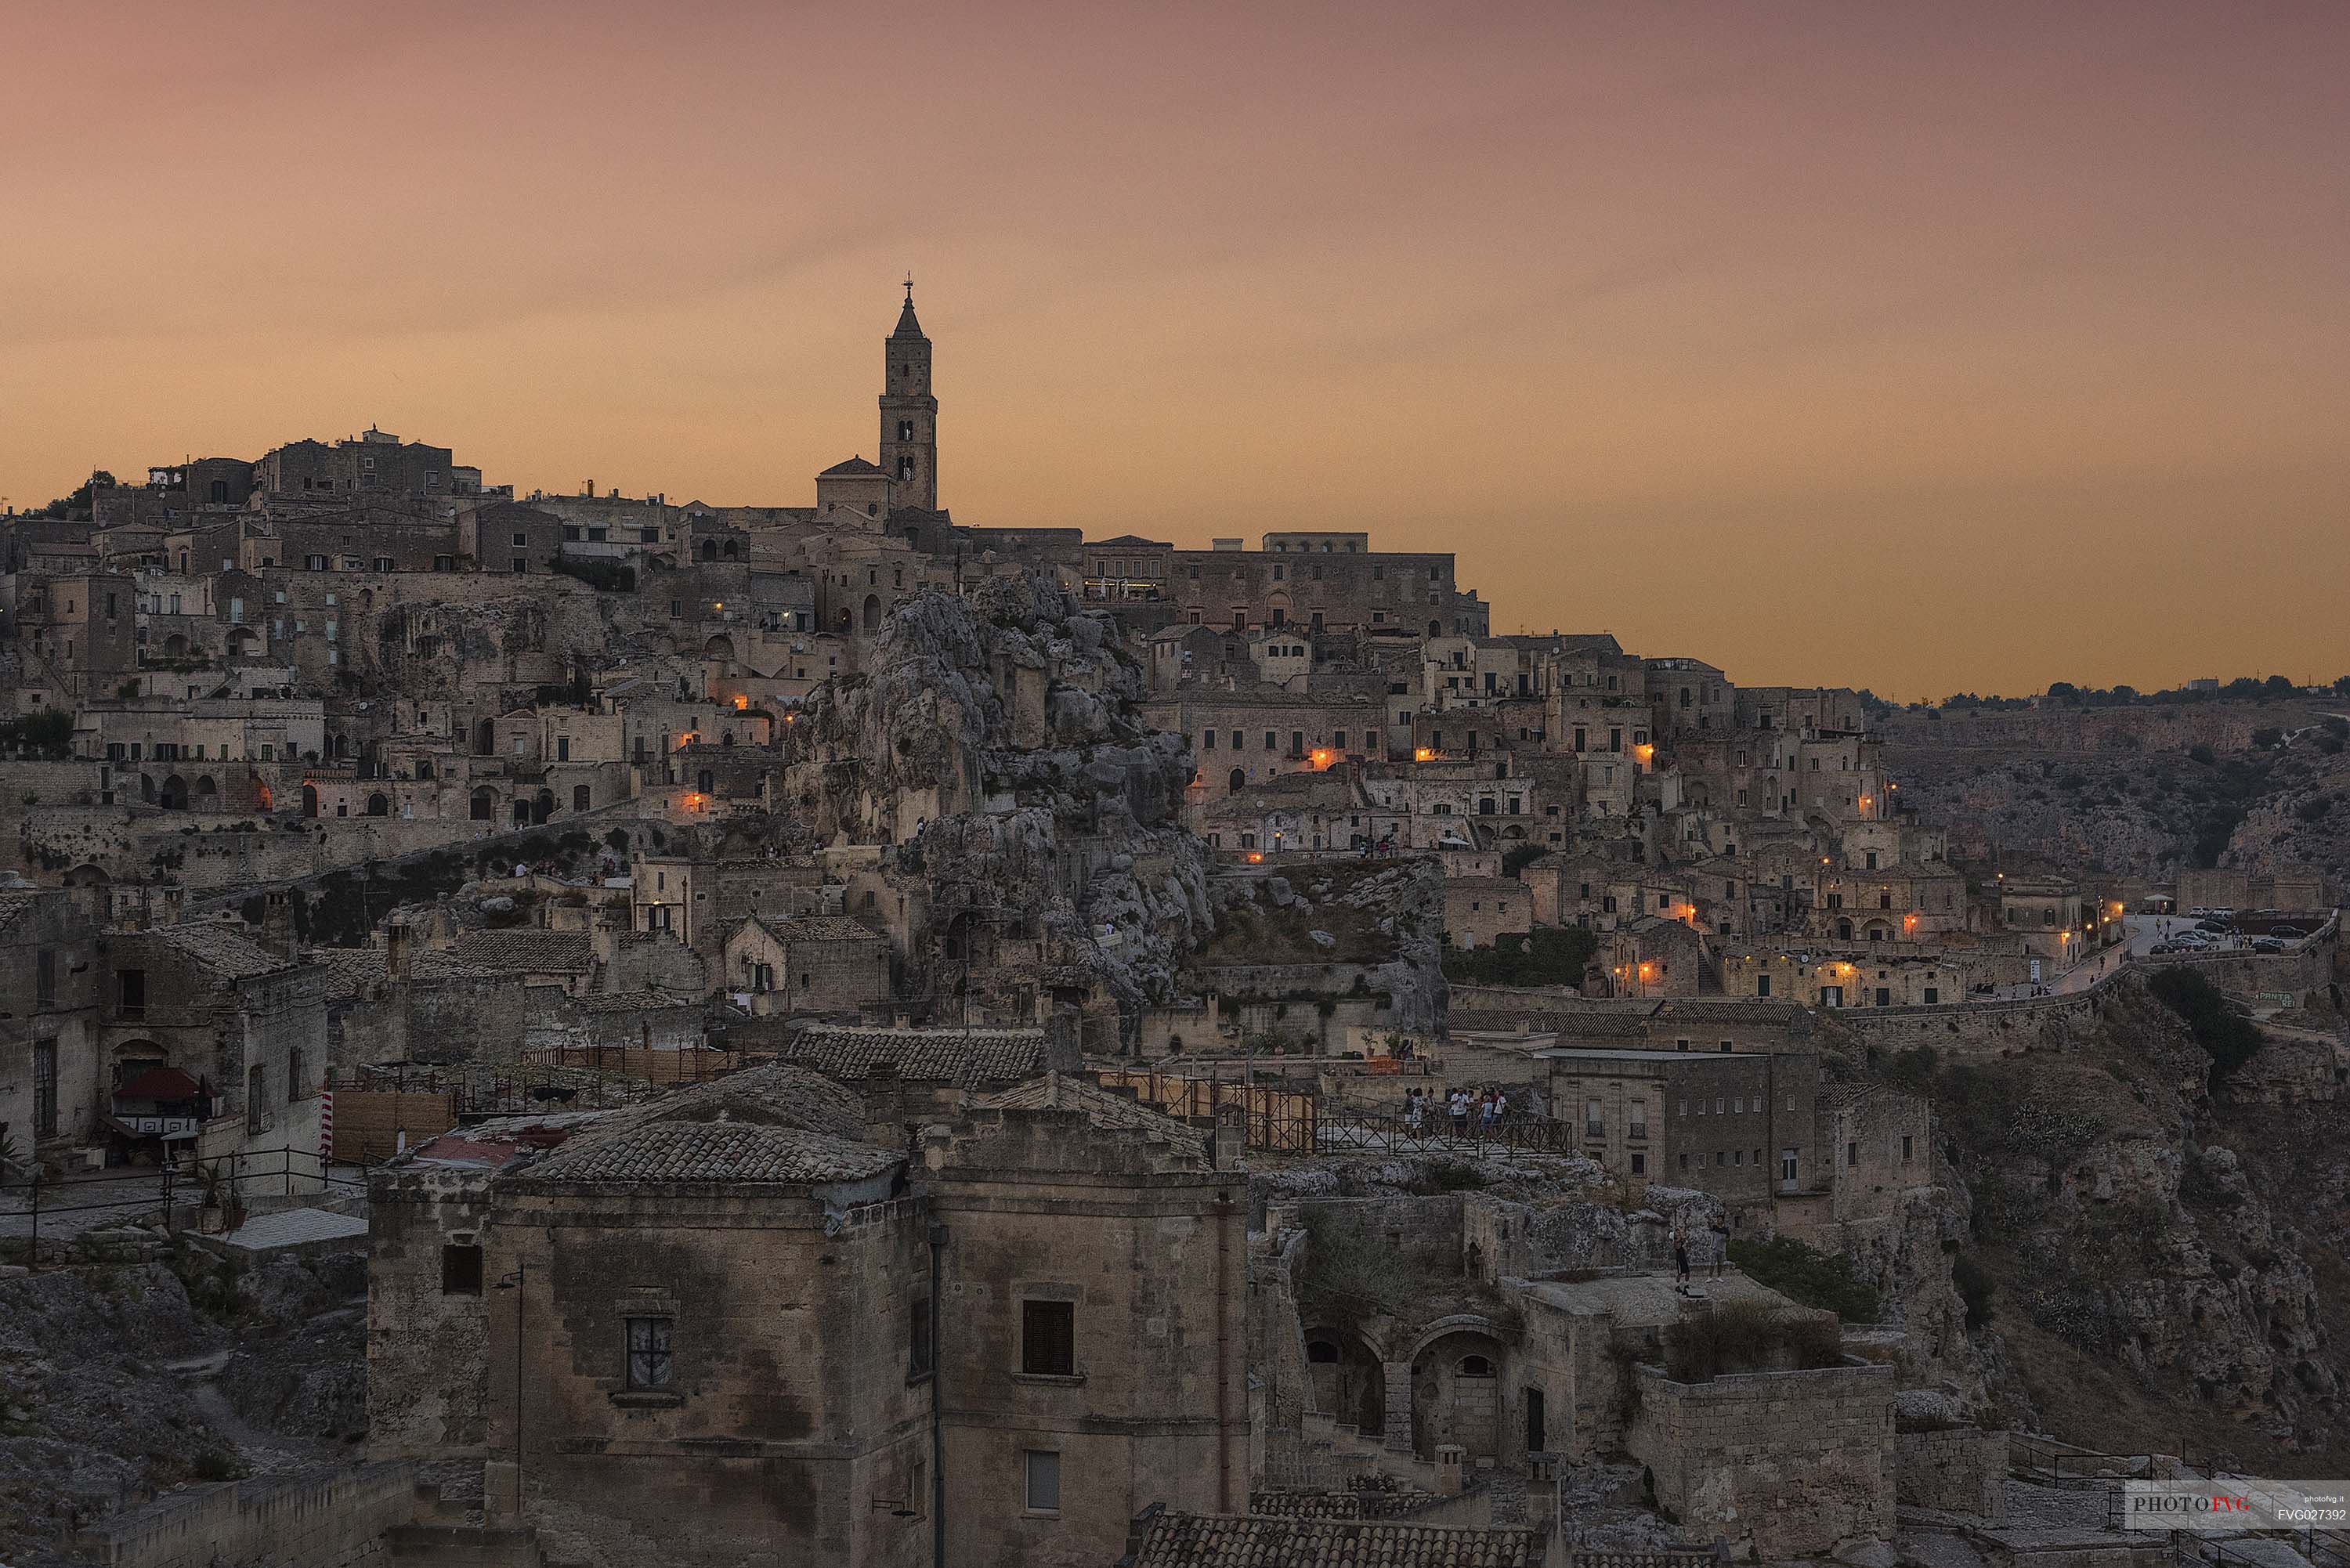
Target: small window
point(1905, 1145)
point(1852, 1154)
point(648, 1352)
point(1048, 1340)
point(918, 1336)
point(461, 1271)
point(1043, 1468)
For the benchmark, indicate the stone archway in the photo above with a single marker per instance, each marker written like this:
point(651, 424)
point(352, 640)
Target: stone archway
point(174, 796)
point(1349, 1382)
point(872, 612)
point(1456, 1389)
point(484, 804)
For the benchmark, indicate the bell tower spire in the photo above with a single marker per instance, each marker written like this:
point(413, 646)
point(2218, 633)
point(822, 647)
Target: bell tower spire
point(909, 414)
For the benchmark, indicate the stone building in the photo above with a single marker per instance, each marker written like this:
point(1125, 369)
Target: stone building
point(53, 976)
point(754, 1300)
point(821, 965)
point(1743, 1126)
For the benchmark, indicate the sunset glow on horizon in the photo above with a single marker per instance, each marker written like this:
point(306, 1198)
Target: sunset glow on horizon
point(1921, 349)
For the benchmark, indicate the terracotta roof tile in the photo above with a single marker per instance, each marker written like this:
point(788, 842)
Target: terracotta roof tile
point(1204, 1541)
point(973, 1058)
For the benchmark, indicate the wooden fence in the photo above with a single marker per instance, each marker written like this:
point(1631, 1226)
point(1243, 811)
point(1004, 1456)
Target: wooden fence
point(369, 1122)
point(1279, 1120)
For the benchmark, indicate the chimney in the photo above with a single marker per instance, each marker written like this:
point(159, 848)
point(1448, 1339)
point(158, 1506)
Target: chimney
point(1229, 1148)
point(885, 1102)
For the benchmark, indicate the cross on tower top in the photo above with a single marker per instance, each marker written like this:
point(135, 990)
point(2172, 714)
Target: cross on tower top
point(910, 288)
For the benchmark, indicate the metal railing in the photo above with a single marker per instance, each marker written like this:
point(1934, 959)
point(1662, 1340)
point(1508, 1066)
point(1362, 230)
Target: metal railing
point(136, 1191)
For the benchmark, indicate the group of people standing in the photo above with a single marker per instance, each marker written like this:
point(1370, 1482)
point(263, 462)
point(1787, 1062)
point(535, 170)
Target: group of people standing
point(1472, 1113)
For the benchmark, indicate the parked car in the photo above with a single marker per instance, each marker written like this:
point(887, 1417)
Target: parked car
point(2288, 932)
point(2267, 945)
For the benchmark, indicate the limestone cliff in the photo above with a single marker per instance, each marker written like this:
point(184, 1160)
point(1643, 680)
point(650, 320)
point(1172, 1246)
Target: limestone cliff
point(2154, 1258)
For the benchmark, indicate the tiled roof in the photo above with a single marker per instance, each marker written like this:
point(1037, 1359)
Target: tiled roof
point(629, 1002)
point(541, 952)
point(773, 1124)
point(844, 469)
point(717, 1152)
point(13, 907)
point(973, 1058)
point(1207, 1541)
point(1060, 1091)
point(222, 950)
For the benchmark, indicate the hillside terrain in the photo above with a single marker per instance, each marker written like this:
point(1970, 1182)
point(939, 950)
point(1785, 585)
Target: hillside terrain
point(2151, 1251)
point(2261, 787)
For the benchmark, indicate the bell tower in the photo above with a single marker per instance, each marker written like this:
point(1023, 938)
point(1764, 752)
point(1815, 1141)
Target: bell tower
point(910, 415)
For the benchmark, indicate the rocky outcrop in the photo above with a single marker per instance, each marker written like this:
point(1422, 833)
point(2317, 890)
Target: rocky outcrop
point(2134, 1219)
point(994, 747)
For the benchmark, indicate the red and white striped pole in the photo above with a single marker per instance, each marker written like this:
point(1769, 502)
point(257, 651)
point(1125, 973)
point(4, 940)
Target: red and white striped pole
point(326, 1128)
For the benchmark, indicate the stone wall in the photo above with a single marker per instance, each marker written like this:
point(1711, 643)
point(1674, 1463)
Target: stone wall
point(426, 1345)
point(1794, 1461)
point(1960, 1468)
point(328, 1522)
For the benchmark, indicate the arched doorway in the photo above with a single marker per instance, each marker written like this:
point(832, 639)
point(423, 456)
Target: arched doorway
point(1456, 1394)
point(1349, 1383)
point(1878, 933)
point(309, 800)
point(542, 805)
point(1436, 628)
point(175, 794)
point(207, 794)
point(873, 612)
point(521, 812)
point(484, 804)
point(1844, 931)
point(581, 797)
point(718, 647)
point(378, 804)
point(708, 549)
point(485, 738)
point(731, 552)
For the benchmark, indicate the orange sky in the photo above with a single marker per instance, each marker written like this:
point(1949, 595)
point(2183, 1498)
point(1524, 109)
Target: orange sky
point(1917, 346)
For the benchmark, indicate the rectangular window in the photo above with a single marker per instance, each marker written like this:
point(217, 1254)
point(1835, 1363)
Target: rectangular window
point(131, 993)
point(1905, 1145)
point(1852, 1154)
point(461, 1271)
point(45, 1088)
point(1207, 740)
point(1640, 1163)
point(44, 977)
point(1933, 995)
point(1048, 1338)
point(648, 1352)
point(1043, 1480)
point(1273, 740)
point(918, 1336)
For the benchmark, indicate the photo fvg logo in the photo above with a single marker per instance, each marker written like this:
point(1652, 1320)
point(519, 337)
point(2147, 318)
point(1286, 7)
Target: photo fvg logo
point(2235, 1503)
